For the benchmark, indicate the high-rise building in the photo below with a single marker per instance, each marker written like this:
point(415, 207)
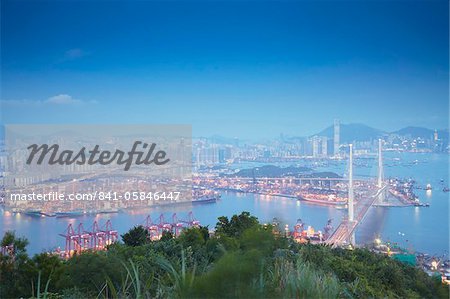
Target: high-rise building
point(336, 139)
point(222, 155)
point(324, 141)
point(315, 146)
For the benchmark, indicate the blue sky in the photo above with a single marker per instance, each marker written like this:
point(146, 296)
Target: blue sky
point(245, 69)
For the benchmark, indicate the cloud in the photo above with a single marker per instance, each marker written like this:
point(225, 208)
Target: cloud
point(57, 100)
point(62, 99)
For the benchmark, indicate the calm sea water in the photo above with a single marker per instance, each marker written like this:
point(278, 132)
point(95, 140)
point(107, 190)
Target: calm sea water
point(421, 229)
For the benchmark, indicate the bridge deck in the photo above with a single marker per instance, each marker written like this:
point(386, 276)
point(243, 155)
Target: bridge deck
point(346, 228)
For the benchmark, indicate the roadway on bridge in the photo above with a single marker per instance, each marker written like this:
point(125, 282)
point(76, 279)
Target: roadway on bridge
point(346, 228)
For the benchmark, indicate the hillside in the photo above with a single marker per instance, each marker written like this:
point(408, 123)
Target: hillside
point(361, 132)
point(243, 259)
point(353, 132)
point(423, 133)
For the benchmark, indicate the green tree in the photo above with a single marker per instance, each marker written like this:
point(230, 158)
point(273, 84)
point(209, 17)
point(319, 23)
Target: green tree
point(136, 236)
point(50, 267)
point(89, 271)
point(192, 237)
point(16, 269)
point(19, 244)
point(166, 235)
point(237, 225)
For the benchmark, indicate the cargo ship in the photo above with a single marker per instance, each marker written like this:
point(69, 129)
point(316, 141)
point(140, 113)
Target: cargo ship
point(312, 198)
point(199, 200)
point(38, 213)
point(108, 211)
point(74, 213)
point(205, 199)
point(33, 213)
point(408, 199)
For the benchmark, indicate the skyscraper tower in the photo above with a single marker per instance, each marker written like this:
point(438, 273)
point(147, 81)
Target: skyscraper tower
point(337, 129)
point(324, 146)
point(350, 185)
point(380, 170)
point(315, 146)
point(198, 158)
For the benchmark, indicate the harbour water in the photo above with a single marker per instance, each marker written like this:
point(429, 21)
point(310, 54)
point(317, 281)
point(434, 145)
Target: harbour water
point(417, 228)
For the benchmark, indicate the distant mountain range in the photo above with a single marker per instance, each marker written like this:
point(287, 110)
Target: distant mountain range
point(352, 132)
point(361, 132)
point(349, 133)
point(420, 132)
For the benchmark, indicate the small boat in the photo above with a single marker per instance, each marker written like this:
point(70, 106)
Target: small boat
point(428, 187)
point(446, 189)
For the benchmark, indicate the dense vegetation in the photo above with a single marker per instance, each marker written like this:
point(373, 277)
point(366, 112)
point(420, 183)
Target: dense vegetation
point(242, 260)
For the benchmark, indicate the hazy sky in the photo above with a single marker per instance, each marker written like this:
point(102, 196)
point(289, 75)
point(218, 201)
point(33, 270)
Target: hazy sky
point(227, 67)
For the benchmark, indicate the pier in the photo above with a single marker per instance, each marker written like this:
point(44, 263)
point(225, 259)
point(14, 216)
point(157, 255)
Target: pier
point(97, 237)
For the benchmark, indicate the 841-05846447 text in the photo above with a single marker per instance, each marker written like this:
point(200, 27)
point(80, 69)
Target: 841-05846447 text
point(97, 195)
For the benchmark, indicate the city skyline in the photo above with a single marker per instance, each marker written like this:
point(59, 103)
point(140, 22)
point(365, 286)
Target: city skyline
point(234, 69)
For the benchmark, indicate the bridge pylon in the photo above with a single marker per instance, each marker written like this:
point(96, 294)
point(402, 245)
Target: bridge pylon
point(382, 195)
point(352, 240)
point(350, 185)
point(350, 203)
